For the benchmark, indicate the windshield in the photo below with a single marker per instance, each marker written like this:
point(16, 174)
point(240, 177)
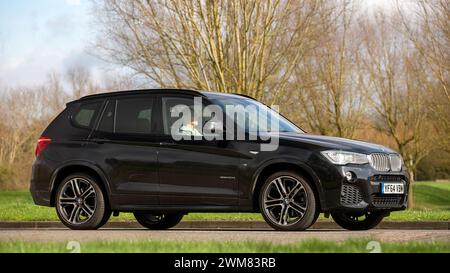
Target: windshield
point(261, 121)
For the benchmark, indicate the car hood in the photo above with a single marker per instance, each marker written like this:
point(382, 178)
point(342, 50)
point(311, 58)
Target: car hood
point(336, 143)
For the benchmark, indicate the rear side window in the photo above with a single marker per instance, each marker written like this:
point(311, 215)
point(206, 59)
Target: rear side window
point(134, 115)
point(86, 114)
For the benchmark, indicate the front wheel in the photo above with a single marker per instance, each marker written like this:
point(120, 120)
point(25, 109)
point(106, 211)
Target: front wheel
point(158, 221)
point(358, 221)
point(287, 202)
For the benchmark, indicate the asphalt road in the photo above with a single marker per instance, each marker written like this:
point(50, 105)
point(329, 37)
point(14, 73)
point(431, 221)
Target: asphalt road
point(63, 235)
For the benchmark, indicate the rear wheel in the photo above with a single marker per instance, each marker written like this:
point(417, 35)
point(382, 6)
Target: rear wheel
point(287, 202)
point(358, 221)
point(80, 203)
point(158, 221)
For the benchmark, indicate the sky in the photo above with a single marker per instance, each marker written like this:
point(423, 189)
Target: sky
point(39, 37)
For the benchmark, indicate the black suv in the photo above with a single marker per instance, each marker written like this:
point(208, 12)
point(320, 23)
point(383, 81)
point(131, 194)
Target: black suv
point(116, 152)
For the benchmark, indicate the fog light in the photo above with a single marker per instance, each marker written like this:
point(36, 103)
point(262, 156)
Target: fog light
point(349, 176)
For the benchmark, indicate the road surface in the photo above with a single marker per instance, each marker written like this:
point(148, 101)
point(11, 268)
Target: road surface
point(63, 235)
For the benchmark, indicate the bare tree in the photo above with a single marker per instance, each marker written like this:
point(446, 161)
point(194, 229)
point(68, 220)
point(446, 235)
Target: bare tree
point(79, 78)
point(19, 128)
point(249, 47)
point(325, 86)
point(427, 26)
point(397, 99)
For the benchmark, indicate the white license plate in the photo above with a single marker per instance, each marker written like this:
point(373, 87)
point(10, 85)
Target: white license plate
point(392, 188)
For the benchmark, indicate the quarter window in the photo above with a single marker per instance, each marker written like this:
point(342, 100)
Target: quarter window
point(85, 117)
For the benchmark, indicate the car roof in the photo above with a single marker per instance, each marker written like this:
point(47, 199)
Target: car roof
point(207, 94)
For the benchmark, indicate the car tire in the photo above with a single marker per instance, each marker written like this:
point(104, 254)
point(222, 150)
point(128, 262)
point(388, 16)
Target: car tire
point(351, 221)
point(80, 203)
point(158, 221)
point(316, 216)
point(293, 198)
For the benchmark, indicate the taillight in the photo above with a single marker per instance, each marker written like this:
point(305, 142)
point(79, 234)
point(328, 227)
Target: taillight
point(42, 144)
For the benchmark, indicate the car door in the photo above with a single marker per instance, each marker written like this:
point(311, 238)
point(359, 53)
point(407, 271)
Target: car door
point(194, 172)
point(126, 140)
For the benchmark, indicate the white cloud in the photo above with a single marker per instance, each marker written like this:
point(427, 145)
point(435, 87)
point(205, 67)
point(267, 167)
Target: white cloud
point(62, 25)
point(73, 2)
point(31, 68)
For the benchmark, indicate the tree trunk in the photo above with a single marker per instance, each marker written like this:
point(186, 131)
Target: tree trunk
point(410, 190)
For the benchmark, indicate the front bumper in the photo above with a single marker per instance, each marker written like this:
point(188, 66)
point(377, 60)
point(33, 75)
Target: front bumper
point(364, 192)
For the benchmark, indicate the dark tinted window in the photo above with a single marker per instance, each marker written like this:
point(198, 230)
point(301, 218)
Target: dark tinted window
point(107, 122)
point(134, 115)
point(85, 116)
point(171, 108)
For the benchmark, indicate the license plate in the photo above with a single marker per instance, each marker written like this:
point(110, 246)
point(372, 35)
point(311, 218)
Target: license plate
point(392, 188)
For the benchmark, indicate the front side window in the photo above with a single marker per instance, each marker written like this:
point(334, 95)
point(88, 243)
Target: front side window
point(86, 114)
point(134, 115)
point(179, 118)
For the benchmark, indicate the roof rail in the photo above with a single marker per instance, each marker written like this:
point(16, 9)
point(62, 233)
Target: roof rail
point(140, 91)
point(245, 96)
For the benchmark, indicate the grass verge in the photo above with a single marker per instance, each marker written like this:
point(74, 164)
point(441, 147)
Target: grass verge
point(309, 246)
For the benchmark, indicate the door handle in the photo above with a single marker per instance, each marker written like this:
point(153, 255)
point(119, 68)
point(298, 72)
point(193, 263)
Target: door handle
point(167, 144)
point(100, 140)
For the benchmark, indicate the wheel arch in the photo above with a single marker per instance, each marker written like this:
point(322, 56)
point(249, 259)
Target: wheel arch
point(272, 167)
point(79, 167)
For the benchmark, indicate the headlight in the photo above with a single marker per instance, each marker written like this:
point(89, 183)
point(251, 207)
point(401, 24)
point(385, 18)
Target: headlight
point(396, 162)
point(344, 158)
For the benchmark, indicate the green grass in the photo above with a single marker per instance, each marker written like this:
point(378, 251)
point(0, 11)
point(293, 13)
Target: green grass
point(432, 201)
point(420, 215)
point(432, 195)
point(355, 246)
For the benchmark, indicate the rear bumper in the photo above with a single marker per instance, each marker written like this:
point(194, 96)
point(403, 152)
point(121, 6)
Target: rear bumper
point(39, 186)
point(41, 198)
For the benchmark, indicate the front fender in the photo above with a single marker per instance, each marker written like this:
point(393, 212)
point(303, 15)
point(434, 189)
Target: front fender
point(289, 163)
